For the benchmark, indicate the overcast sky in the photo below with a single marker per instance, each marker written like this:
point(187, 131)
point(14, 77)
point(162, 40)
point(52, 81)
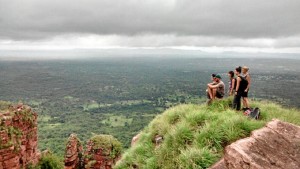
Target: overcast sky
point(249, 25)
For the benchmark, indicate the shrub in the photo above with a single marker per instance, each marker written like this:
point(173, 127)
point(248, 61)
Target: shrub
point(48, 161)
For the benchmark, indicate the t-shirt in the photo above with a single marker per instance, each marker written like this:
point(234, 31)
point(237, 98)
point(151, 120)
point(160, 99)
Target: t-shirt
point(221, 88)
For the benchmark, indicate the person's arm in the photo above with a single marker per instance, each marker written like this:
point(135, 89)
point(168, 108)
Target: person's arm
point(238, 80)
point(212, 86)
point(232, 85)
point(248, 78)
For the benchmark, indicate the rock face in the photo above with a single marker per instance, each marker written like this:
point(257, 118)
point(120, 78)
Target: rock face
point(102, 152)
point(275, 146)
point(135, 139)
point(73, 153)
point(18, 137)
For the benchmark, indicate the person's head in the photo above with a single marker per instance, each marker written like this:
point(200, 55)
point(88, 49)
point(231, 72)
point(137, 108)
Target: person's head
point(217, 78)
point(231, 74)
point(245, 69)
point(213, 77)
point(238, 70)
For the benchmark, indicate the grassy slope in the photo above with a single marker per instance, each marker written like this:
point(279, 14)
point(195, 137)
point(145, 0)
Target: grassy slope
point(194, 135)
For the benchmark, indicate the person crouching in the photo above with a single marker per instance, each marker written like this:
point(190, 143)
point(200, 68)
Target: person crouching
point(216, 90)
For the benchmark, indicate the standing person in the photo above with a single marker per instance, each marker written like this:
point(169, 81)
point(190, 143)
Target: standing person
point(241, 85)
point(231, 83)
point(245, 71)
point(216, 89)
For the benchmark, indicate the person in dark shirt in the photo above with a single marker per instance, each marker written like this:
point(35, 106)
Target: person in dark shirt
point(232, 83)
point(241, 85)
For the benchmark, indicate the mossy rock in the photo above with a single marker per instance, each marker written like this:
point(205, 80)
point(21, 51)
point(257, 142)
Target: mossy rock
point(109, 144)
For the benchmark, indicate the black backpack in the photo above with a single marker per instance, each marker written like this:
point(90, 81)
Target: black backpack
point(252, 113)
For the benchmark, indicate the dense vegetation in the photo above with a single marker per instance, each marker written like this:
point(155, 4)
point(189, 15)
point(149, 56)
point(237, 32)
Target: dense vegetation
point(120, 96)
point(194, 135)
point(107, 143)
point(48, 161)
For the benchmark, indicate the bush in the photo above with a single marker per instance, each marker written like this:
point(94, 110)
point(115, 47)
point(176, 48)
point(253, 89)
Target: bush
point(48, 161)
point(108, 143)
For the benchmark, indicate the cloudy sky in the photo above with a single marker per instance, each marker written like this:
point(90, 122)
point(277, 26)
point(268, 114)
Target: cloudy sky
point(213, 25)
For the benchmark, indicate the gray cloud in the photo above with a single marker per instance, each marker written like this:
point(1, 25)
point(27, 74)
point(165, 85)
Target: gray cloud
point(203, 23)
point(255, 18)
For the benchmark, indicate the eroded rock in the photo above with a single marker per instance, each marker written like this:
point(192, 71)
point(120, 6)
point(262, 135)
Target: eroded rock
point(73, 153)
point(18, 137)
point(275, 146)
point(135, 139)
point(102, 152)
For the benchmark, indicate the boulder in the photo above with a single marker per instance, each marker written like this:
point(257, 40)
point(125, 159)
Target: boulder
point(275, 146)
point(135, 139)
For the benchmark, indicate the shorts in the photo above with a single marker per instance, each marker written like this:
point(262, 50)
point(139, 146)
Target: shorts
point(245, 94)
point(219, 95)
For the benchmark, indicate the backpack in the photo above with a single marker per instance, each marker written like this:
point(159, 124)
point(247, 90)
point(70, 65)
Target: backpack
point(252, 113)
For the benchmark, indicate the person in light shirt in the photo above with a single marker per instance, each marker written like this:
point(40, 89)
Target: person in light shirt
point(246, 75)
point(216, 89)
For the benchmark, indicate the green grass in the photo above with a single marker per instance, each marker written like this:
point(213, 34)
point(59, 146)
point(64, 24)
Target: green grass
point(90, 106)
point(48, 161)
point(44, 118)
point(194, 136)
point(117, 121)
point(94, 105)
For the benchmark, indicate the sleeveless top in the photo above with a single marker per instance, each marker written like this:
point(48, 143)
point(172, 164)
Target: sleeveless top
point(230, 84)
point(243, 84)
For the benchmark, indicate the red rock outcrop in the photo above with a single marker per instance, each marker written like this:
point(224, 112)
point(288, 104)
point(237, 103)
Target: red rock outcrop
point(73, 153)
point(102, 152)
point(18, 137)
point(275, 146)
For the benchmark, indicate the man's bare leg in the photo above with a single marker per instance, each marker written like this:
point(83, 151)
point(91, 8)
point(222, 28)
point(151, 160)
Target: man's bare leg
point(210, 92)
point(214, 92)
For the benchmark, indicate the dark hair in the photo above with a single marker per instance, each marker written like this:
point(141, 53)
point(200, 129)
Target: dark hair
point(231, 73)
point(213, 75)
point(239, 69)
